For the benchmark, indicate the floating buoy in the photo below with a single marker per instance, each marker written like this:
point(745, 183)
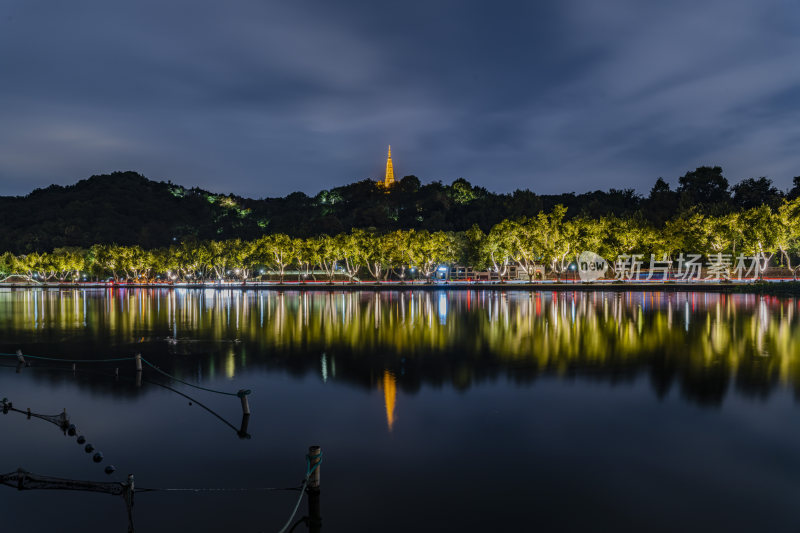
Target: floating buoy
point(71, 430)
point(110, 469)
point(97, 457)
point(81, 439)
point(89, 448)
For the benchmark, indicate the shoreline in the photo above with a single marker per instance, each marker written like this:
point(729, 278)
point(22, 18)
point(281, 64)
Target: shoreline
point(786, 288)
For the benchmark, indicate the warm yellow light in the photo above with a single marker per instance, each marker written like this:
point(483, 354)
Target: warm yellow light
point(389, 178)
point(389, 396)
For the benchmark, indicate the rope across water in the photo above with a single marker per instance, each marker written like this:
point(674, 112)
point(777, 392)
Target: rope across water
point(170, 376)
point(58, 359)
point(244, 489)
point(238, 394)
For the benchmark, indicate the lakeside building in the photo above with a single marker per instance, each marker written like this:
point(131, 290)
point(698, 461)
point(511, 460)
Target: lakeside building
point(460, 273)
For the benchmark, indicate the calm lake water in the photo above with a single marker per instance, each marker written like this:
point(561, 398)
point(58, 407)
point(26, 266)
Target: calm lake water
point(437, 411)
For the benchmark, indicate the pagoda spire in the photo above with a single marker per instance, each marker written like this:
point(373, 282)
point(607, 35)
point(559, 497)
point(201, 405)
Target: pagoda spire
point(389, 179)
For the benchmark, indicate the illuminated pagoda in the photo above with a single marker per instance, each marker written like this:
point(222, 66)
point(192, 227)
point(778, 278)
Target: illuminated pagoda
point(388, 181)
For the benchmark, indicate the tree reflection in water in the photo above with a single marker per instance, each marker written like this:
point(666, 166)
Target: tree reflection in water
point(700, 343)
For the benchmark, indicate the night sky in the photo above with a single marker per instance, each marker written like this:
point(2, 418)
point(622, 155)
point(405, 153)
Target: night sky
point(264, 98)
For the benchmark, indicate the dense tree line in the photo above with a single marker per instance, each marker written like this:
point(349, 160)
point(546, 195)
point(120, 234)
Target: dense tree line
point(127, 209)
point(549, 238)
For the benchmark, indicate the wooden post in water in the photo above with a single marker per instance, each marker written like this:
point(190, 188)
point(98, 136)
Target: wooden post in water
point(314, 458)
point(242, 394)
point(243, 434)
point(138, 370)
point(314, 515)
point(130, 490)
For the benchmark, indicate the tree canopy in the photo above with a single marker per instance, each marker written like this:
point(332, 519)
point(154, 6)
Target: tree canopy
point(125, 208)
point(546, 243)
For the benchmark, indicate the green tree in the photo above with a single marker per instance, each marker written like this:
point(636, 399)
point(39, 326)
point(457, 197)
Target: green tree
point(327, 255)
point(554, 238)
point(68, 262)
point(165, 261)
point(377, 254)
point(760, 232)
point(427, 251)
point(788, 238)
point(626, 235)
point(194, 260)
point(705, 187)
point(9, 265)
point(351, 248)
point(662, 203)
point(522, 244)
point(750, 193)
point(398, 244)
point(277, 251)
point(103, 259)
point(496, 249)
point(461, 192)
point(303, 255)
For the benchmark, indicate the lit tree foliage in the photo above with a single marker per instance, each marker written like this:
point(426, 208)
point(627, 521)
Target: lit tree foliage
point(550, 241)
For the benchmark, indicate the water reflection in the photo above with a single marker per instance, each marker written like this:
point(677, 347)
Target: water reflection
point(389, 396)
point(700, 344)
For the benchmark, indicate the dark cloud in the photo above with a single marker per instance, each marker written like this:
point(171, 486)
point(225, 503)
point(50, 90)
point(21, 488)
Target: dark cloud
point(264, 98)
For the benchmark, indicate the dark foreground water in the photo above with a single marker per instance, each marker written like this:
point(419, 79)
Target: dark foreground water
point(437, 411)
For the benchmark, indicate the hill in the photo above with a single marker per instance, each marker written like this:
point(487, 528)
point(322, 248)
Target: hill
point(126, 208)
point(122, 207)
